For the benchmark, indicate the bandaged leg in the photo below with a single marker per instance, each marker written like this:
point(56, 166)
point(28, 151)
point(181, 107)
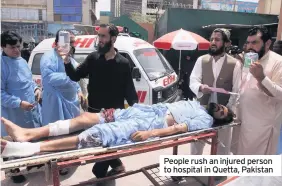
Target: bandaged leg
point(20, 149)
point(23, 149)
point(58, 128)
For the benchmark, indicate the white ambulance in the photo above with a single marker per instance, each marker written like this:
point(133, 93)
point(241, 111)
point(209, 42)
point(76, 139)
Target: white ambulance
point(154, 79)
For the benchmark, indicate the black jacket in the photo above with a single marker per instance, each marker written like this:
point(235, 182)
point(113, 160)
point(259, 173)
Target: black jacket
point(110, 82)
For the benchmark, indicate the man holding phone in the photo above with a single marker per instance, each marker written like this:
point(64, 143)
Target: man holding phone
point(110, 83)
point(260, 103)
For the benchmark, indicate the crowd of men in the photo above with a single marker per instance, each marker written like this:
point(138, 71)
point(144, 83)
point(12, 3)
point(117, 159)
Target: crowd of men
point(54, 108)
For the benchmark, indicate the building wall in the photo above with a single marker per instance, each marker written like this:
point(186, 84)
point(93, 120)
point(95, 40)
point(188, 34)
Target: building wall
point(269, 7)
point(86, 8)
point(151, 29)
point(224, 17)
point(115, 8)
point(228, 5)
point(50, 11)
point(67, 10)
point(33, 11)
point(129, 6)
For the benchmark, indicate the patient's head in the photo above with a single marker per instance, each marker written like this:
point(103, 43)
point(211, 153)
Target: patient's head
point(220, 113)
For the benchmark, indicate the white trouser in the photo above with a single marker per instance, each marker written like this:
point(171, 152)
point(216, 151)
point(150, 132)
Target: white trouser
point(235, 139)
point(224, 137)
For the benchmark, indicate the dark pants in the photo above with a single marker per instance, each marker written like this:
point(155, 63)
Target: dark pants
point(100, 169)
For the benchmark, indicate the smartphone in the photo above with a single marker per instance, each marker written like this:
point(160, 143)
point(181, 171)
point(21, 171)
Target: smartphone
point(64, 41)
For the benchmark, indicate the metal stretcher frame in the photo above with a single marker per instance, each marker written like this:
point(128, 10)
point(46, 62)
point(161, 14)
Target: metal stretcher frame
point(228, 181)
point(58, 161)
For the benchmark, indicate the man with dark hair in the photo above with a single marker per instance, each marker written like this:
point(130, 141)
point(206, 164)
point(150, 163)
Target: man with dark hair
point(219, 70)
point(110, 83)
point(25, 52)
point(277, 47)
point(260, 102)
point(60, 92)
point(137, 123)
point(19, 93)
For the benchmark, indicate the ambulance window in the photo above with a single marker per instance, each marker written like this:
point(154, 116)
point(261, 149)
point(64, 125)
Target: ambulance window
point(131, 63)
point(35, 68)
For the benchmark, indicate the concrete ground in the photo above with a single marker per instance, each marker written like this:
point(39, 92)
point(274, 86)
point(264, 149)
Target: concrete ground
point(83, 173)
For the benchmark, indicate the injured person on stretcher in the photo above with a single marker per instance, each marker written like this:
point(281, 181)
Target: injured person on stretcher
point(115, 127)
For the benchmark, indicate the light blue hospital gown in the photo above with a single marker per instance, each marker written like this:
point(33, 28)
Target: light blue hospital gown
point(60, 94)
point(16, 86)
point(144, 118)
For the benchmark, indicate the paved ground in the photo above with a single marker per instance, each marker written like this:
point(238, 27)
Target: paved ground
point(83, 173)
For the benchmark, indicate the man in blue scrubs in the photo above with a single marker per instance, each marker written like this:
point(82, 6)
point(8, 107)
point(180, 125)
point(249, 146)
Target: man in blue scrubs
point(61, 95)
point(19, 93)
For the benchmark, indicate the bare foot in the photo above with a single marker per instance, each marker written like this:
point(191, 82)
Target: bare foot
point(17, 133)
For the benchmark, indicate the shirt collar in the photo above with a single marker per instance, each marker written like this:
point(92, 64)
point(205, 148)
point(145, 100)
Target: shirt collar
point(116, 58)
point(221, 58)
point(265, 57)
point(4, 54)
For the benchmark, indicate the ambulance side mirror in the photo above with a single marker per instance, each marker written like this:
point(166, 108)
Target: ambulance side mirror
point(136, 74)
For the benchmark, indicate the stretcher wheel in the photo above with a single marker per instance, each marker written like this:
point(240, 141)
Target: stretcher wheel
point(176, 178)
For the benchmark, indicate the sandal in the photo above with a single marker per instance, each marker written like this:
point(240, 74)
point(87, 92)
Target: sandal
point(116, 171)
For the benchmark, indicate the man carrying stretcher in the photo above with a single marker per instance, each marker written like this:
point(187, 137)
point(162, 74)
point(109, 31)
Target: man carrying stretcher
point(115, 127)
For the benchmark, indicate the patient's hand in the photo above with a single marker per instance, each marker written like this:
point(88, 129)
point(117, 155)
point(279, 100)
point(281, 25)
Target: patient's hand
point(140, 135)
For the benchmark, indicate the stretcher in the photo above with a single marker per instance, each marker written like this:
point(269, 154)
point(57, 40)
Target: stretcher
point(51, 163)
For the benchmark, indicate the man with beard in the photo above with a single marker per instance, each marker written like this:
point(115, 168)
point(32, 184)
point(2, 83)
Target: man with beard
point(219, 70)
point(260, 102)
point(277, 47)
point(110, 83)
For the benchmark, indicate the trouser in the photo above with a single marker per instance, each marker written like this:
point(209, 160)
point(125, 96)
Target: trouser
point(223, 145)
point(100, 169)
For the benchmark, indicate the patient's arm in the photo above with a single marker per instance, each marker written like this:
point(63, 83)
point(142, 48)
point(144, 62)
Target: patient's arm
point(144, 135)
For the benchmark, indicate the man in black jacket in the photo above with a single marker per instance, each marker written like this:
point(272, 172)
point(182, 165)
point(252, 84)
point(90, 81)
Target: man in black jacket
point(110, 82)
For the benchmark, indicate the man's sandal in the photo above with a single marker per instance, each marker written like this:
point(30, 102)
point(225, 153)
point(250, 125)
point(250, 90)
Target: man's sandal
point(116, 171)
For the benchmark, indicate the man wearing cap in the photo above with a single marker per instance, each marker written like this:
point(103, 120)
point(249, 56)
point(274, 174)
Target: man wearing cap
point(218, 70)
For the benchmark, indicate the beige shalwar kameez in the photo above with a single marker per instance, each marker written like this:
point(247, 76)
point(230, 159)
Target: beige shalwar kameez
point(260, 114)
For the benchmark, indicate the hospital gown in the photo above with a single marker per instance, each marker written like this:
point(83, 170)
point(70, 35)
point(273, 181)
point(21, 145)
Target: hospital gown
point(16, 86)
point(141, 117)
point(60, 94)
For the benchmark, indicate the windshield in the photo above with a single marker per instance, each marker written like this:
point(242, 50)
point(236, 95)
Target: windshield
point(153, 63)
